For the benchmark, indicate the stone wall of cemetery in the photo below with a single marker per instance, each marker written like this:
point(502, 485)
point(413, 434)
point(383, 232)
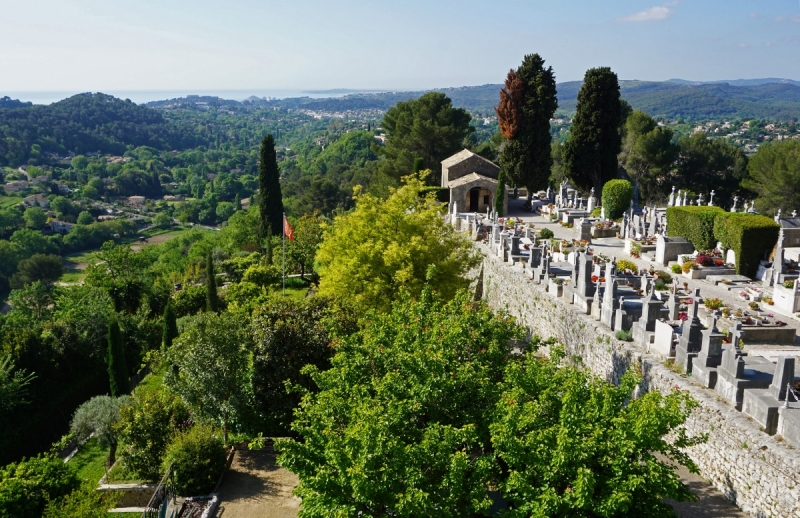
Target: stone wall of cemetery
point(757, 471)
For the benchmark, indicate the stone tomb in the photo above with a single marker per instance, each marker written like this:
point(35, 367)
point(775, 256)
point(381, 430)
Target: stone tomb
point(739, 372)
point(690, 341)
point(664, 341)
point(670, 248)
point(762, 404)
point(704, 366)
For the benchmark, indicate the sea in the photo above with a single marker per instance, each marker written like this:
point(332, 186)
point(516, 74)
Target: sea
point(144, 96)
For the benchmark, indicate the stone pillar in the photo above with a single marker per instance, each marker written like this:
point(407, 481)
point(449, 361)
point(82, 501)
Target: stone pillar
point(711, 350)
point(586, 230)
point(515, 244)
point(691, 340)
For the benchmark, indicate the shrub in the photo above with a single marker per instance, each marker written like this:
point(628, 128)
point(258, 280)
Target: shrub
point(617, 196)
point(26, 486)
point(664, 276)
point(676, 268)
point(624, 264)
point(198, 459)
point(660, 285)
point(688, 265)
point(788, 284)
point(546, 233)
point(145, 429)
point(753, 305)
point(190, 301)
point(759, 232)
point(636, 249)
point(714, 304)
point(695, 224)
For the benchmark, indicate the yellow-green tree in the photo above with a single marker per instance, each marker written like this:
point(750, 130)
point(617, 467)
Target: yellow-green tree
point(372, 251)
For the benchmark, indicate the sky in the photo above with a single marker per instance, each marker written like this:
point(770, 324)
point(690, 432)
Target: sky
point(104, 45)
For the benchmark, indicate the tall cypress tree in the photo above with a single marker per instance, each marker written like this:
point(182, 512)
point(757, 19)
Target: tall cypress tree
point(527, 103)
point(117, 368)
point(590, 153)
point(237, 202)
point(169, 326)
point(212, 303)
point(270, 200)
point(501, 194)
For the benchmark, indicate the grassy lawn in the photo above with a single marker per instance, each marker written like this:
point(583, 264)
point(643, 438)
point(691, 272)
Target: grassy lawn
point(8, 201)
point(152, 381)
point(81, 257)
point(72, 276)
point(90, 461)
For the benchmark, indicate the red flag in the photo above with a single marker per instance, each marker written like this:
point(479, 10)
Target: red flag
point(288, 229)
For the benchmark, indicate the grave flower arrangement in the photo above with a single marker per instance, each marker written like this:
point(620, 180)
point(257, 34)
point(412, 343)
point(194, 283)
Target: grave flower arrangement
point(714, 304)
point(594, 278)
point(788, 284)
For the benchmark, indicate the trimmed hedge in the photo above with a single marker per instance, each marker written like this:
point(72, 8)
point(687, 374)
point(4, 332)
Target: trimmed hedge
point(734, 229)
point(617, 196)
point(695, 224)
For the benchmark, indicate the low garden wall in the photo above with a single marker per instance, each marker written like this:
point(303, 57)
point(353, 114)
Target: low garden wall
point(757, 471)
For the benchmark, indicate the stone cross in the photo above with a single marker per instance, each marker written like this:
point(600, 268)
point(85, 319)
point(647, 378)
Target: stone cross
point(685, 197)
point(711, 201)
point(735, 203)
point(778, 216)
point(700, 199)
point(794, 213)
point(671, 201)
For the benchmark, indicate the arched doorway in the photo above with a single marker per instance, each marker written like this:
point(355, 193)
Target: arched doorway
point(478, 198)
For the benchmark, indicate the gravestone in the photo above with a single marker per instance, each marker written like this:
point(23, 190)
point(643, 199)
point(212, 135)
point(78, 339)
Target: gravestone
point(738, 372)
point(646, 325)
point(763, 404)
point(690, 341)
point(664, 340)
point(670, 248)
point(607, 314)
point(704, 367)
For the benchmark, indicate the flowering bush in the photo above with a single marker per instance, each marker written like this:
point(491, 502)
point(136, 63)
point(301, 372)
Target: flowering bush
point(705, 260)
point(676, 268)
point(719, 262)
point(624, 264)
point(594, 278)
point(688, 265)
point(788, 284)
point(714, 304)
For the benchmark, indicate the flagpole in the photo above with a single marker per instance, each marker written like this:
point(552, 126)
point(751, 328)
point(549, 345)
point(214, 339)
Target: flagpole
point(283, 239)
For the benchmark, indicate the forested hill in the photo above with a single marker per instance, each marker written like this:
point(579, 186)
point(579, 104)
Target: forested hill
point(85, 123)
point(773, 101)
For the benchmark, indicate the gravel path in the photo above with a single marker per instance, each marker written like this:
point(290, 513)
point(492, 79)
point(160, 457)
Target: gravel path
point(256, 487)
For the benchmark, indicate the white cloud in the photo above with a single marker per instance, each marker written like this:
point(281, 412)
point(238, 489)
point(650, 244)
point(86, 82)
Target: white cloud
point(658, 12)
point(756, 15)
point(791, 19)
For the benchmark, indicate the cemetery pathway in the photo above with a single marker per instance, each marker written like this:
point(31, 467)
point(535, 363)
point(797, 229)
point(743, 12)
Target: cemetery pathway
point(256, 487)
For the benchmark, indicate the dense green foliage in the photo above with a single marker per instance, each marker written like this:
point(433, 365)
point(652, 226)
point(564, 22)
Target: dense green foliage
point(616, 198)
point(169, 326)
point(428, 128)
point(84, 123)
point(146, 426)
point(288, 336)
point(750, 236)
point(526, 155)
point(212, 300)
point(775, 176)
point(369, 253)
point(695, 224)
point(198, 459)
point(594, 140)
point(648, 153)
point(85, 502)
point(425, 407)
point(27, 486)
point(500, 194)
point(574, 445)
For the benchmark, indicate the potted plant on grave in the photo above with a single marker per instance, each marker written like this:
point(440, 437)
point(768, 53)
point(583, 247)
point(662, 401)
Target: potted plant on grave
point(713, 304)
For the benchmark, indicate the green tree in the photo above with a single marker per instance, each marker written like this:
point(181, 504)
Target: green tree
point(13, 385)
point(400, 423)
point(706, 164)
point(169, 326)
point(289, 335)
point(145, 428)
point(162, 220)
point(527, 103)
point(647, 154)
point(30, 242)
point(594, 140)
point(269, 194)
point(122, 273)
point(197, 457)
point(307, 237)
point(211, 372)
point(117, 368)
point(84, 218)
point(97, 417)
point(576, 445)
point(775, 176)
point(428, 128)
point(35, 217)
point(212, 300)
point(225, 210)
point(369, 253)
point(79, 162)
point(500, 194)
point(38, 267)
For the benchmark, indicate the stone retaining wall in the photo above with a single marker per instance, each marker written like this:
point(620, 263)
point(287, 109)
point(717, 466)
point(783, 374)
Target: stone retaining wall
point(757, 471)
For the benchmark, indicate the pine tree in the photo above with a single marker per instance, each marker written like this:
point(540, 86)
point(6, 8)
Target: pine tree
point(169, 327)
point(117, 368)
point(594, 142)
point(527, 103)
point(270, 200)
point(500, 195)
point(212, 303)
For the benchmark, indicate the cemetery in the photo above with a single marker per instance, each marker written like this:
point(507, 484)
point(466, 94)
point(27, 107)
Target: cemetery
point(699, 298)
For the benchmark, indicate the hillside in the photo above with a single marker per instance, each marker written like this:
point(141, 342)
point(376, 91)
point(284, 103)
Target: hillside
point(769, 100)
point(85, 123)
